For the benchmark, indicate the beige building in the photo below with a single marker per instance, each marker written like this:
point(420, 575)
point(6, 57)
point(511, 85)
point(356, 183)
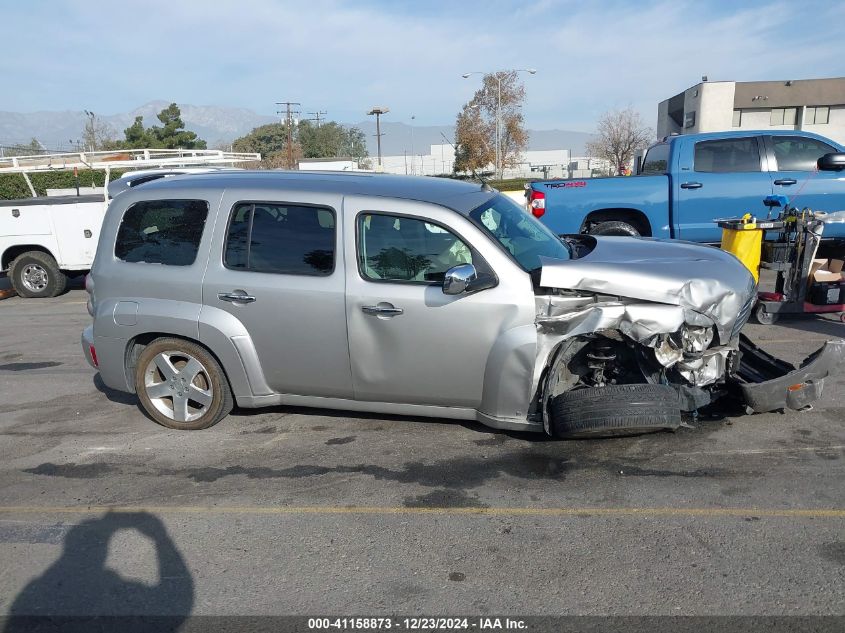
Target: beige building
point(813, 105)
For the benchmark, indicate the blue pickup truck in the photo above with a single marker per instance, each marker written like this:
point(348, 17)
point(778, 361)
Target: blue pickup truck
point(686, 183)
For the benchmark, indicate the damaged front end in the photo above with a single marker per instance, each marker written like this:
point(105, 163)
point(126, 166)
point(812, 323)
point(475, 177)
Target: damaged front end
point(663, 314)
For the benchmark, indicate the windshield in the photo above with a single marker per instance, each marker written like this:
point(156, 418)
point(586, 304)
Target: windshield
point(525, 238)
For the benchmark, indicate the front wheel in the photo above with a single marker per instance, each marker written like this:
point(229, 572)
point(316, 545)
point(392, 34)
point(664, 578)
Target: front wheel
point(181, 386)
point(36, 275)
point(614, 227)
point(615, 410)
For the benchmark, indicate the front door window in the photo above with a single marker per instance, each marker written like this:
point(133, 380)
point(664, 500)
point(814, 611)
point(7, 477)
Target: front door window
point(403, 249)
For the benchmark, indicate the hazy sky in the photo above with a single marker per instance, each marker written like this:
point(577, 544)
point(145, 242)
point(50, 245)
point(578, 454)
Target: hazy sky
point(344, 57)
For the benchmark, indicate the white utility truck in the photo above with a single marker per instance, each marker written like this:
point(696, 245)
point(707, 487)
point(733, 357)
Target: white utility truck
point(44, 240)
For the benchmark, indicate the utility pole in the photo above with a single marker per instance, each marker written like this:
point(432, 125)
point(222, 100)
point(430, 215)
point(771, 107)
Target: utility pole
point(289, 112)
point(413, 169)
point(378, 111)
point(92, 126)
point(317, 116)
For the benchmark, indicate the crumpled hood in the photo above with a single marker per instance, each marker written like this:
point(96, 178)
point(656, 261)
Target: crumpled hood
point(700, 278)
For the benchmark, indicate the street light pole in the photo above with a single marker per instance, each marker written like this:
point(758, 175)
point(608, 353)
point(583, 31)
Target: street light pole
point(93, 129)
point(498, 75)
point(378, 111)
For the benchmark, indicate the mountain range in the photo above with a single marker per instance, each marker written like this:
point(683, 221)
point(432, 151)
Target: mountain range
point(219, 126)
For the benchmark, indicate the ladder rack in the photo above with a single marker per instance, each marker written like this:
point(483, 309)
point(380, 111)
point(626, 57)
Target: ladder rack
point(120, 159)
point(123, 159)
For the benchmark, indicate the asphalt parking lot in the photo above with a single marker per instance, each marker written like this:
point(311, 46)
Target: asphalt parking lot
point(293, 511)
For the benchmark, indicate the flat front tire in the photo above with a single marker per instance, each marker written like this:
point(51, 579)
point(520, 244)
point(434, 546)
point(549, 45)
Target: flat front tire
point(181, 385)
point(36, 275)
point(615, 410)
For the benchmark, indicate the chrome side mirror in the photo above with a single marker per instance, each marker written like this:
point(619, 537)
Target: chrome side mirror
point(458, 278)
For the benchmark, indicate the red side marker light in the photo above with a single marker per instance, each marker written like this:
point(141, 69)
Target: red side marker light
point(94, 356)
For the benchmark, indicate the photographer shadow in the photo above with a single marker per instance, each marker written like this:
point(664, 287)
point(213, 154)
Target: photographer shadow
point(78, 592)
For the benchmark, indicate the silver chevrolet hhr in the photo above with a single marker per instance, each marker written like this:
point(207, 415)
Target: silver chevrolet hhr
point(414, 296)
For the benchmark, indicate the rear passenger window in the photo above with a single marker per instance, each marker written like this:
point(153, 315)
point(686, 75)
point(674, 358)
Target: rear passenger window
point(656, 160)
point(727, 155)
point(280, 238)
point(161, 232)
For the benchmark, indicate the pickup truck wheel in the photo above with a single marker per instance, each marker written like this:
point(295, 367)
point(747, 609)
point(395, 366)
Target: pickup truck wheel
point(181, 386)
point(36, 275)
point(615, 410)
point(614, 227)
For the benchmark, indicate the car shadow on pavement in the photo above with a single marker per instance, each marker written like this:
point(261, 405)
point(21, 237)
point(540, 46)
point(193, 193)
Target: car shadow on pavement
point(113, 395)
point(813, 324)
point(78, 591)
point(477, 427)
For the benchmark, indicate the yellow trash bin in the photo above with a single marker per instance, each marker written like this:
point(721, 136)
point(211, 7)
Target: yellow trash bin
point(744, 239)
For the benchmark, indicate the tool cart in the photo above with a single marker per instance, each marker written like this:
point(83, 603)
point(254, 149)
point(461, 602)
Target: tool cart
point(791, 253)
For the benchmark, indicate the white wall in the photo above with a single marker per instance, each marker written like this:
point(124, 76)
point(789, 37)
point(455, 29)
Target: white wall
point(835, 128)
point(759, 118)
point(716, 106)
point(328, 165)
point(441, 160)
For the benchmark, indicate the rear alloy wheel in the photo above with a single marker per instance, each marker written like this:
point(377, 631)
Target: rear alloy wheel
point(614, 227)
point(181, 386)
point(615, 410)
point(36, 275)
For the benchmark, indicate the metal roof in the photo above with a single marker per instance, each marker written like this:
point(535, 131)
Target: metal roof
point(454, 194)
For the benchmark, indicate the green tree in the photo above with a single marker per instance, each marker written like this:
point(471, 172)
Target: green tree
point(136, 136)
point(330, 140)
point(270, 141)
point(309, 141)
point(171, 135)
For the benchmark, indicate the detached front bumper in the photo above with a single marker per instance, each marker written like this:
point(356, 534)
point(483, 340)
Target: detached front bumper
point(768, 383)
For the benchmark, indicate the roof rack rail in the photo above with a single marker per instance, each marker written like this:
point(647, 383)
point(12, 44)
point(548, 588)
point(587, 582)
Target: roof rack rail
point(121, 159)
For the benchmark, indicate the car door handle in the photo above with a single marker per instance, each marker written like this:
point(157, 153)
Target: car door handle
point(691, 185)
point(786, 181)
point(382, 310)
point(235, 297)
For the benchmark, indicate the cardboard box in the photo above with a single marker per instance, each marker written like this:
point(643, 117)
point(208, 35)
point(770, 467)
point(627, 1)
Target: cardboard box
point(827, 270)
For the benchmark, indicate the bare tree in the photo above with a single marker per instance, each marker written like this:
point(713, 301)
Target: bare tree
point(501, 93)
point(98, 135)
point(619, 135)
